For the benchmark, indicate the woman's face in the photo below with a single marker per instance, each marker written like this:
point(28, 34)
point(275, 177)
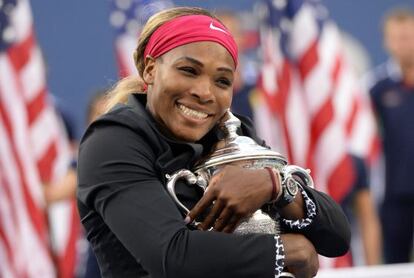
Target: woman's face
point(190, 88)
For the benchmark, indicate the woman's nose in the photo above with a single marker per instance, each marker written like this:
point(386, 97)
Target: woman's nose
point(203, 91)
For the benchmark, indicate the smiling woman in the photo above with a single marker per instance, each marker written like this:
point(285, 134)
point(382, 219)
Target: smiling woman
point(196, 90)
point(165, 120)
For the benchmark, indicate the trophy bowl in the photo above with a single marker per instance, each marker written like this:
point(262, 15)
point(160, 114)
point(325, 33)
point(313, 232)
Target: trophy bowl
point(244, 152)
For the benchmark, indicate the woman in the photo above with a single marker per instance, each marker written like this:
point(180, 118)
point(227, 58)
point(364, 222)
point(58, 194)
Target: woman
point(187, 59)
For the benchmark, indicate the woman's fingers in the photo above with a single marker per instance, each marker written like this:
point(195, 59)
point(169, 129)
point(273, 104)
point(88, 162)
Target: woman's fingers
point(232, 224)
point(205, 202)
point(212, 215)
point(237, 193)
point(223, 220)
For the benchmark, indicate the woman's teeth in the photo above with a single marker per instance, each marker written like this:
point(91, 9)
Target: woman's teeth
point(192, 113)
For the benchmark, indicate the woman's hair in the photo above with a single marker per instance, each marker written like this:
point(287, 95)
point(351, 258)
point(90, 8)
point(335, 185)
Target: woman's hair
point(132, 84)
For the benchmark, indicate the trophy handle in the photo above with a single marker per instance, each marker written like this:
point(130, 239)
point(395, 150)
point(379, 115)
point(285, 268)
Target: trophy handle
point(190, 177)
point(181, 174)
point(304, 174)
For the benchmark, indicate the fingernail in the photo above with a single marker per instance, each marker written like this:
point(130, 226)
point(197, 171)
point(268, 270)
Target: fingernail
point(187, 219)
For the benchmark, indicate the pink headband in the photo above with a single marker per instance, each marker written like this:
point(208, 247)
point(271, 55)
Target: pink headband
point(187, 29)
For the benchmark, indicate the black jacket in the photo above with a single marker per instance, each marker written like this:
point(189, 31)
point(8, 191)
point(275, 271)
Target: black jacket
point(136, 229)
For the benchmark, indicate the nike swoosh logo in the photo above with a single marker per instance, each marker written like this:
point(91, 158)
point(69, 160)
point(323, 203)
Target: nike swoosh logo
point(217, 28)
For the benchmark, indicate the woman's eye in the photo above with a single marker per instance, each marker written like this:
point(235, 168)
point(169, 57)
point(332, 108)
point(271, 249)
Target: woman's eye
point(224, 82)
point(188, 70)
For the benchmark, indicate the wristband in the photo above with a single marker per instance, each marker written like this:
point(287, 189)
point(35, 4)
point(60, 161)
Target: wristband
point(275, 186)
point(280, 256)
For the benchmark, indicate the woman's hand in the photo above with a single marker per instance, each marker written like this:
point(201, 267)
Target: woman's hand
point(234, 194)
point(301, 258)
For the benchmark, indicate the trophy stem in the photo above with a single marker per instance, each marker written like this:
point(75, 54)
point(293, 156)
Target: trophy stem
point(230, 125)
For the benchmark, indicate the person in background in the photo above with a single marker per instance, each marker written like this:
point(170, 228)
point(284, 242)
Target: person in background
point(392, 94)
point(97, 105)
point(247, 71)
point(165, 120)
point(359, 205)
point(65, 188)
point(360, 208)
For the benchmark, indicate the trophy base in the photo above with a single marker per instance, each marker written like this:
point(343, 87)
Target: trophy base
point(262, 223)
point(286, 275)
point(259, 223)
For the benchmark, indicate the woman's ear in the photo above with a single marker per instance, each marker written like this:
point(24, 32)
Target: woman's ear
point(149, 70)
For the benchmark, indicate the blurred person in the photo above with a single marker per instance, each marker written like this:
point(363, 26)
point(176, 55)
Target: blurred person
point(359, 205)
point(392, 93)
point(187, 60)
point(360, 208)
point(61, 203)
point(65, 188)
point(97, 105)
point(246, 73)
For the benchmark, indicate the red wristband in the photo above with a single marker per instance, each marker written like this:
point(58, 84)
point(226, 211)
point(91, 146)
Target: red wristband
point(274, 184)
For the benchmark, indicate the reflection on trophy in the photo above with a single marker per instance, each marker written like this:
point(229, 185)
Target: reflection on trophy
point(244, 152)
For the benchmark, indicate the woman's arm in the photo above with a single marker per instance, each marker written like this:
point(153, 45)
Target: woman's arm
point(330, 221)
point(329, 230)
point(235, 193)
point(118, 181)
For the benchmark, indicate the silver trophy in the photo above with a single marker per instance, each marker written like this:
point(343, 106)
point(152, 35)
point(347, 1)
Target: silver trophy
point(244, 152)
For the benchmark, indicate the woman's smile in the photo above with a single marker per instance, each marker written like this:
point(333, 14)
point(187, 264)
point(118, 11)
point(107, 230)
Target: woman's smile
point(191, 113)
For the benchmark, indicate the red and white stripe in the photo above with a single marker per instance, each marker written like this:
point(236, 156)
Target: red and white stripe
point(125, 45)
point(321, 110)
point(33, 150)
point(130, 17)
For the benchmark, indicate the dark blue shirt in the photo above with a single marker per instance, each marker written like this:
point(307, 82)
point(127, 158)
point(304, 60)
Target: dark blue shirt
point(394, 105)
point(361, 183)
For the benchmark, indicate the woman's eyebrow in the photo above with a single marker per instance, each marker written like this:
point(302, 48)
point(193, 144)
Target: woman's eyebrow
point(191, 60)
point(229, 70)
point(197, 62)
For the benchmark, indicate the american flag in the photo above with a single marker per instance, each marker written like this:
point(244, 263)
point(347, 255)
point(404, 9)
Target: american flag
point(128, 17)
point(33, 151)
point(312, 97)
